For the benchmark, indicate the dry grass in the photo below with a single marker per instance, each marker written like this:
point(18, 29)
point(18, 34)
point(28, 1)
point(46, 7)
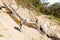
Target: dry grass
point(1, 35)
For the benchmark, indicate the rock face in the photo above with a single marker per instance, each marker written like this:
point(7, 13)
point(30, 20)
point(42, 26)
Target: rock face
point(9, 29)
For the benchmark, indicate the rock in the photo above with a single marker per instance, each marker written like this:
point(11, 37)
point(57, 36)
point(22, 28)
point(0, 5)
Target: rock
point(50, 32)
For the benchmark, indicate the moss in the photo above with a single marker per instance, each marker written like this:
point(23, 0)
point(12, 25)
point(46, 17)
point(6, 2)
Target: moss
point(1, 35)
point(55, 18)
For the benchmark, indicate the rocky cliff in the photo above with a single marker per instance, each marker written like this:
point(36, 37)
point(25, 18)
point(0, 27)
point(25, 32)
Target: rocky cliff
point(10, 29)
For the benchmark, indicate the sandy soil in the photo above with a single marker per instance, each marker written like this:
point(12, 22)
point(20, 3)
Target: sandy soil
point(7, 25)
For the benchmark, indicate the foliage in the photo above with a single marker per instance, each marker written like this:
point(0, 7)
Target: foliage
point(36, 3)
point(30, 4)
point(53, 10)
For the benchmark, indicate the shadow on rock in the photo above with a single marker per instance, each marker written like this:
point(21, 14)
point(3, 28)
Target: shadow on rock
point(17, 29)
point(54, 38)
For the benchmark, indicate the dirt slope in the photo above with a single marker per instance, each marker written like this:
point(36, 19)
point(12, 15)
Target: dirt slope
point(8, 31)
point(7, 24)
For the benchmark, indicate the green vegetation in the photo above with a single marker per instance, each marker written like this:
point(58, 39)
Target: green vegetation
point(1, 35)
point(29, 4)
point(36, 5)
point(55, 18)
point(53, 10)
